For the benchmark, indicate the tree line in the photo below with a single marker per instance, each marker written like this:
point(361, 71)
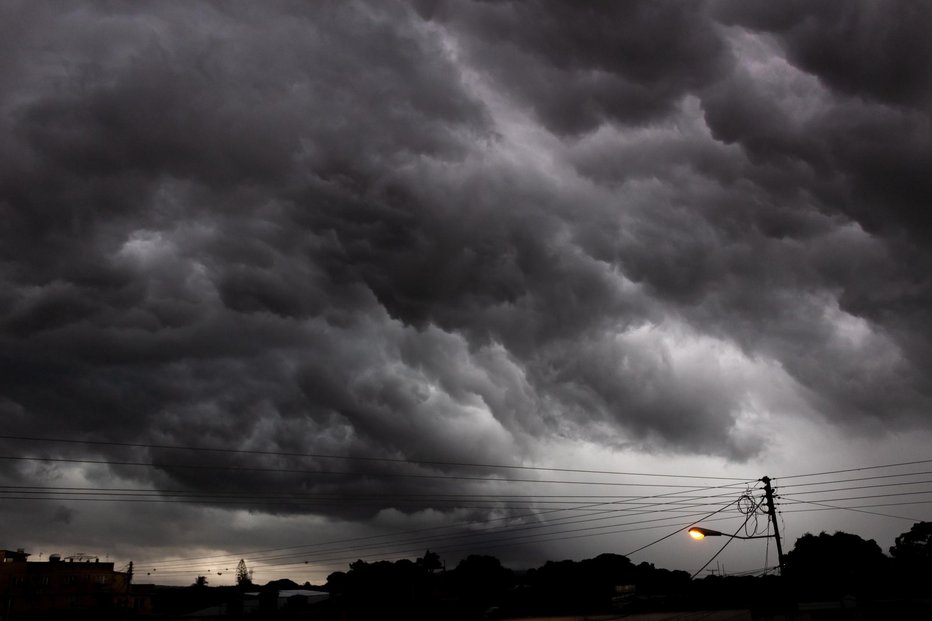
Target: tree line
point(819, 567)
point(827, 567)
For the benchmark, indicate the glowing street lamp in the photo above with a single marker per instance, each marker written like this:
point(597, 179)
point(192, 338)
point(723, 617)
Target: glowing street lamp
point(697, 533)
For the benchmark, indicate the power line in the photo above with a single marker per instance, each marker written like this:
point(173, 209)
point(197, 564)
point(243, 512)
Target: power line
point(750, 514)
point(896, 465)
point(869, 495)
point(629, 511)
point(854, 509)
point(678, 530)
point(679, 501)
point(378, 548)
point(882, 476)
point(845, 489)
point(329, 472)
point(100, 493)
point(682, 526)
point(351, 495)
point(501, 542)
point(432, 541)
point(878, 504)
point(487, 521)
point(358, 458)
point(334, 496)
point(570, 520)
point(319, 562)
point(469, 523)
point(282, 502)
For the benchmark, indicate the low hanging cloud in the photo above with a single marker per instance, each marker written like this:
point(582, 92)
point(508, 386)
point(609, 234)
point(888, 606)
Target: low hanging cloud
point(456, 231)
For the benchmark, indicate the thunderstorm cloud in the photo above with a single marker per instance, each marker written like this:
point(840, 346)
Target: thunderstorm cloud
point(461, 232)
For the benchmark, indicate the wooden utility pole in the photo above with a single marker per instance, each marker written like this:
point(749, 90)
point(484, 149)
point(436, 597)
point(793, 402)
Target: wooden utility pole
point(768, 492)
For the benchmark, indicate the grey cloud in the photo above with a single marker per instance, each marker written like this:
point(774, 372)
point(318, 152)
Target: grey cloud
point(851, 144)
point(775, 272)
point(213, 238)
point(864, 48)
point(184, 102)
point(859, 155)
point(159, 251)
point(63, 515)
point(869, 133)
point(755, 241)
point(579, 64)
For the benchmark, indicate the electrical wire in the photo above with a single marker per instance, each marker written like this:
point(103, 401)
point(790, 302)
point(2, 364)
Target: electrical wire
point(882, 504)
point(167, 466)
point(730, 539)
point(678, 530)
point(678, 502)
point(355, 458)
point(873, 478)
point(453, 545)
point(870, 495)
point(853, 487)
point(103, 494)
point(504, 542)
point(854, 509)
point(573, 520)
point(896, 465)
point(469, 523)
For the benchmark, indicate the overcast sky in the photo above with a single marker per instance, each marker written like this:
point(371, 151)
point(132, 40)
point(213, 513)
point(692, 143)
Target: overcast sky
point(654, 237)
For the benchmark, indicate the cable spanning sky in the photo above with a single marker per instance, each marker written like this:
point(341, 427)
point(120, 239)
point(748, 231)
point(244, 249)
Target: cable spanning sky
point(335, 280)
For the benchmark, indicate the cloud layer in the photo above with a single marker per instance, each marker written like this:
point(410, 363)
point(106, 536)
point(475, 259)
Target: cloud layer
point(459, 231)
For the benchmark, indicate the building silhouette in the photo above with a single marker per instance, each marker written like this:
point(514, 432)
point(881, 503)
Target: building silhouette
point(60, 588)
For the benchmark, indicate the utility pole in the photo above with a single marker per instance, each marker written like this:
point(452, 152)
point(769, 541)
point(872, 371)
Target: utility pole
point(768, 492)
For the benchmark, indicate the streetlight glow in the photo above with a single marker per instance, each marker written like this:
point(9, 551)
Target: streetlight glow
point(697, 533)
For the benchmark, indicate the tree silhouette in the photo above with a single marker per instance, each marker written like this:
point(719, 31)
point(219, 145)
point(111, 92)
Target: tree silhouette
point(912, 558)
point(836, 565)
point(243, 575)
point(201, 581)
point(430, 561)
point(914, 547)
point(481, 580)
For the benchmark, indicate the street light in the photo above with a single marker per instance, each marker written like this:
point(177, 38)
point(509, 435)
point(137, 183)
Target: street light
point(697, 533)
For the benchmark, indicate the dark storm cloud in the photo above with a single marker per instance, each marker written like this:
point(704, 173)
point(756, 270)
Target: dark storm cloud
point(311, 229)
point(177, 184)
point(775, 269)
point(759, 236)
point(854, 154)
point(849, 130)
point(580, 64)
point(864, 48)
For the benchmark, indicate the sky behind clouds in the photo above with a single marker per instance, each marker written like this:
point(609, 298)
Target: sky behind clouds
point(662, 237)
